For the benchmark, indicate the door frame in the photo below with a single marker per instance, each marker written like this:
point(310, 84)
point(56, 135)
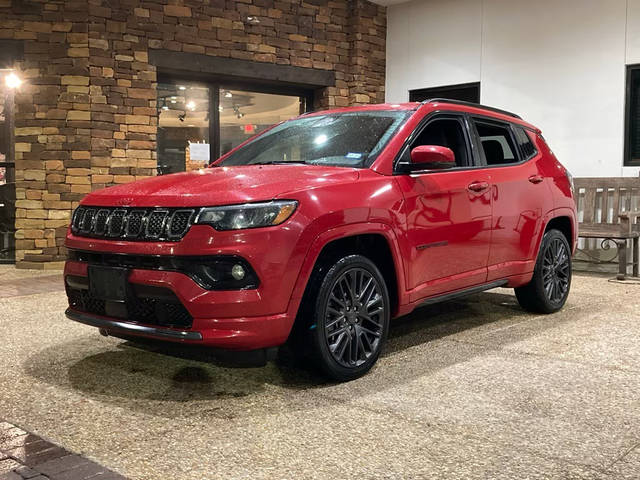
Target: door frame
point(10, 176)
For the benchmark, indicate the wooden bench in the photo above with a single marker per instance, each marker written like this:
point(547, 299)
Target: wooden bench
point(610, 208)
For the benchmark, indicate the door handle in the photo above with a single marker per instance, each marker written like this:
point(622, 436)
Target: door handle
point(535, 179)
point(478, 186)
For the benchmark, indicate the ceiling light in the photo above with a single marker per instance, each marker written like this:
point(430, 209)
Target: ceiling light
point(191, 105)
point(228, 94)
point(12, 80)
point(165, 107)
point(181, 87)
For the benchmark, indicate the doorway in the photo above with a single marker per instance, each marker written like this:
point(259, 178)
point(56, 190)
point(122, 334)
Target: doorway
point(7, 176)
point(466, 92)
point(199, 122)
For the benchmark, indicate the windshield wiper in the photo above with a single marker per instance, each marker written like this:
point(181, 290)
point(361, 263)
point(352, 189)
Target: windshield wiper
point(279, 162)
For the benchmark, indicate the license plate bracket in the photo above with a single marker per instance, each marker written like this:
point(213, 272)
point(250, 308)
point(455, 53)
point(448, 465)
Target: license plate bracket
point(108, 283)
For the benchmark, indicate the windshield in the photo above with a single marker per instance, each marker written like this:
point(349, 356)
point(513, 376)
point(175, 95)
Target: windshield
point(350, 139)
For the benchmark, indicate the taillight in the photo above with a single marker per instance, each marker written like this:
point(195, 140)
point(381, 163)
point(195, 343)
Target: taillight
point(570, 178)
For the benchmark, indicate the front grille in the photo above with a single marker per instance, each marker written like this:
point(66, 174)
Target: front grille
point(145, 304)
point(132, 224)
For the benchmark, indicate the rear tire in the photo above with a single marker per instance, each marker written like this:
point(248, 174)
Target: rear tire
point(549, 287)
point(345, 317)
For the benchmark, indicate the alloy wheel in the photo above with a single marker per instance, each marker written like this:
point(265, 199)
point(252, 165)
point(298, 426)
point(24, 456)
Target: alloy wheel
point(556, 270)
point(354, 317)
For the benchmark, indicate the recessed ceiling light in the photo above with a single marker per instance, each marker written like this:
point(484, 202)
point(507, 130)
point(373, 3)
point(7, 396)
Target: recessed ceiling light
point(181, 87)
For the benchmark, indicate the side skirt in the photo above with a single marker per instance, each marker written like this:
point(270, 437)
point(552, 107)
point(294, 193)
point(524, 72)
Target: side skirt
point(464, 292)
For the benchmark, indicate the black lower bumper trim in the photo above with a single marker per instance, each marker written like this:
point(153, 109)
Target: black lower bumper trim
point(161, 333)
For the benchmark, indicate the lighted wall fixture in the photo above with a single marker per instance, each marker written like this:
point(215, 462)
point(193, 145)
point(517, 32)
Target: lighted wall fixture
point(12, 80)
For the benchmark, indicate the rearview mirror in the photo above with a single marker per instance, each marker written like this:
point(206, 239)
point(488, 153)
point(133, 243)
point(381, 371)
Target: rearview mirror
point(432, 157)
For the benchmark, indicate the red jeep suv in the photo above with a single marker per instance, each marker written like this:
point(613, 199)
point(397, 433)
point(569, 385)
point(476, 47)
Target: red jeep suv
point(321, 229)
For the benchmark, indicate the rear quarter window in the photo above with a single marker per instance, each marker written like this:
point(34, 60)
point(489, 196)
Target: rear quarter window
point(527, 149)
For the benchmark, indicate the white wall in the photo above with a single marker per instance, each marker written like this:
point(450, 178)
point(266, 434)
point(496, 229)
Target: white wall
point(560, 64)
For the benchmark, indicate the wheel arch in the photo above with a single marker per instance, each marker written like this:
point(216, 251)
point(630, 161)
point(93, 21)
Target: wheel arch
point(374, 241)
point(563, 224)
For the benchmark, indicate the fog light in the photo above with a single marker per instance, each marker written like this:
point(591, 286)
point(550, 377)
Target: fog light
point(237, 272)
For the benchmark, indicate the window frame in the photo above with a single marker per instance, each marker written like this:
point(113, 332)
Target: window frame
point(524, 157)
point(462, 118)
point(215, 85)
point(498, 123)
point(627, 159)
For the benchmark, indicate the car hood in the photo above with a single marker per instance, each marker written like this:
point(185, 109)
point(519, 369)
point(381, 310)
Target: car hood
point(221, 186)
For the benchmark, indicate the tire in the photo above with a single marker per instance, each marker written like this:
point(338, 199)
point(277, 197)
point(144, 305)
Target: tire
point(345, 342)
point(549, 287)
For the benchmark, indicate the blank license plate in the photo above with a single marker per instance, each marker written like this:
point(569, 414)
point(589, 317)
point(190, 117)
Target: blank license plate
point(108, 283)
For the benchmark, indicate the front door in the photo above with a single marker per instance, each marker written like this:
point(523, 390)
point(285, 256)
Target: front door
point(448, 215)
point(7, 180)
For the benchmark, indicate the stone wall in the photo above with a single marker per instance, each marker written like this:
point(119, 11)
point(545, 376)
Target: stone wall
point(86, 116)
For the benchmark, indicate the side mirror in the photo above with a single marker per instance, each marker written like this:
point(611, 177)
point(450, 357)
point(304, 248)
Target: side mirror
point(432, 157)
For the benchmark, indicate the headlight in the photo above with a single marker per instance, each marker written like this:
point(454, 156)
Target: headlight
point(248, 215)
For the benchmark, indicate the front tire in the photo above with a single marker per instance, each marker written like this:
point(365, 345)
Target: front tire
point(549, 287)
point(348, 312)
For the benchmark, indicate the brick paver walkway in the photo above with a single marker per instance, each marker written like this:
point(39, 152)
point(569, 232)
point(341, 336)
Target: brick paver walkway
point(17, 287)
point(24, 455)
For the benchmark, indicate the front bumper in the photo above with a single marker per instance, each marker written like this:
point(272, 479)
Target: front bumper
point(132, 328)
point(246, 319)
point(221, 319)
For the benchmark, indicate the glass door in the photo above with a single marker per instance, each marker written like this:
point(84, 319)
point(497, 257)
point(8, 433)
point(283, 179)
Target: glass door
point(7, 178)
point(183, 127)
point(198, 122)
point(243, 114)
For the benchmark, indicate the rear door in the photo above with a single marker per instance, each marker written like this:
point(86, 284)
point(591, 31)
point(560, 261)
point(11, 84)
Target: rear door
point(520, 195)
point(448, 212)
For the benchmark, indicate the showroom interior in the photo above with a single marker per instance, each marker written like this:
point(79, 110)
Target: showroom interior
point(103, 93)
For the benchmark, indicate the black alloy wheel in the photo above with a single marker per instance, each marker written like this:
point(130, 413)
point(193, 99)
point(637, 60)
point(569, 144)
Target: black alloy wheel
point(354, 317)
point(556, 270)
point(344, 319)
point(549, 287)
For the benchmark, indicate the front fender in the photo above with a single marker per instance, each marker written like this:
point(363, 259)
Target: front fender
point(345, 231)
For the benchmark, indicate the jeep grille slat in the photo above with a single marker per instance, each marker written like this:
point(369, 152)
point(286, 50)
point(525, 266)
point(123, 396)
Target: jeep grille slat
point(151, 224)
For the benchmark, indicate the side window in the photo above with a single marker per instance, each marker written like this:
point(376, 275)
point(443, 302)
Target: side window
point(497, 143)
point(444, 132)
point(524, 143)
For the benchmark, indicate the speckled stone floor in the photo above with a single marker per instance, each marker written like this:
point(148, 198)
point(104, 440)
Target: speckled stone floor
point(470, 389)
